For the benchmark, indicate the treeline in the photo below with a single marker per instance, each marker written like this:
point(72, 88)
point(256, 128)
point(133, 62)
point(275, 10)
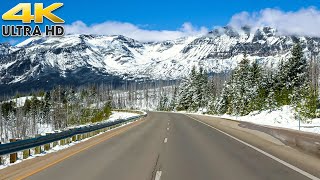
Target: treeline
point(194, 93)
point(59, 108)
point(28, 114)
point(148, 95)
point(252, 87)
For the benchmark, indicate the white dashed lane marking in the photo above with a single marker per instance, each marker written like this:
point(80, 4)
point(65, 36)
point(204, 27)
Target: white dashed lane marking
point(158, 175)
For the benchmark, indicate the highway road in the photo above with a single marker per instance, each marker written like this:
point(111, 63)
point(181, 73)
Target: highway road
point(169, 146)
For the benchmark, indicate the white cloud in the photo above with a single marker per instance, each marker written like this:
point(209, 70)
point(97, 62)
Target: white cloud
point(302, 22)
point(133, 31)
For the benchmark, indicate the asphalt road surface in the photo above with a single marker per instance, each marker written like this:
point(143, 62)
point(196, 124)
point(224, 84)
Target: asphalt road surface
point(169, 146)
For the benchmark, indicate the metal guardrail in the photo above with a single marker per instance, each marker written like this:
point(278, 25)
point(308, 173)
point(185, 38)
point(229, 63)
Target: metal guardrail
point(21, 145)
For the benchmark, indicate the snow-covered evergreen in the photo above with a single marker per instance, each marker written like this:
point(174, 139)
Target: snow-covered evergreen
point(253, 87)
point(194, 92)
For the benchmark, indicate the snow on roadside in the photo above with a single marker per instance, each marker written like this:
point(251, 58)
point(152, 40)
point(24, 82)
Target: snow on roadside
point(282, 117)
point(114, 117)
point(47, 128)
point(120, 115)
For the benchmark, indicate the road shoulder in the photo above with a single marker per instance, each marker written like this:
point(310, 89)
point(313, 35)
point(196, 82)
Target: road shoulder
point(301, 159)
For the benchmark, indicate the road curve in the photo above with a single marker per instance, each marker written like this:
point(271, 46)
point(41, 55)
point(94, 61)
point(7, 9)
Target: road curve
point(169, 146)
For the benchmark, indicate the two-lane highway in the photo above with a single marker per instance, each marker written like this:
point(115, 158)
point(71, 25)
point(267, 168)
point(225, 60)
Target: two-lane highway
point(169, 146)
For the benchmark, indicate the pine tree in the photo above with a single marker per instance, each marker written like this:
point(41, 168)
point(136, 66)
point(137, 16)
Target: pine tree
point(187, 91)
point(307, 105)
point(185, 98)
point(173, 102)
point(194, 91)
point(256, 93)
point(240, 87)
point(222, 104)
point(163, 103)
point(268, 86)
point(244, 92)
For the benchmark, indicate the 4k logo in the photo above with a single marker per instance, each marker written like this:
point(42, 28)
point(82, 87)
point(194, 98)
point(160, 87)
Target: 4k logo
point(39, 12)
point(37, 17)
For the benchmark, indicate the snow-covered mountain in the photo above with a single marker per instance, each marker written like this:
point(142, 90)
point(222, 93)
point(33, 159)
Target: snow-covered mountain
point(78, 59)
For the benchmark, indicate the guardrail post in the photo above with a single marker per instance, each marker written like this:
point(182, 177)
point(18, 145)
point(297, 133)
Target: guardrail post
point(54, 144)
point(26, 153)
point(13, 156)
point(62, 142)
point(37, 150)
point(74, 138)
point(79, 137)
point(47, 146)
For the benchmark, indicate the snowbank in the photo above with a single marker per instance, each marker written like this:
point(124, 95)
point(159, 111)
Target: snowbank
point(120, 115)
point(283, 117)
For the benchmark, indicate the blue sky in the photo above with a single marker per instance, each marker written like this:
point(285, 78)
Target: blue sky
point(164, 15)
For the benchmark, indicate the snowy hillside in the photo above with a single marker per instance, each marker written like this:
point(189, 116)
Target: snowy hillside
point(79, 59)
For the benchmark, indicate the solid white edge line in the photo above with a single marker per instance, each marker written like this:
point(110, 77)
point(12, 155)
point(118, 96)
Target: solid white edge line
point(263, 152)
point(165, 140)
point(158, 175)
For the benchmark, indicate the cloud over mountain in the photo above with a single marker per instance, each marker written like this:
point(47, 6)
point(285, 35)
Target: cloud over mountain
point(134, 31)
point(304, 22)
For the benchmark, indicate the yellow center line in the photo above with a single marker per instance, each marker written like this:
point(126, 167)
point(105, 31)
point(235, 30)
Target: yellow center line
point(76, 152)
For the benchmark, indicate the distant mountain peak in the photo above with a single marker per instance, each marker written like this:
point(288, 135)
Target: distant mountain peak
point(85, 58)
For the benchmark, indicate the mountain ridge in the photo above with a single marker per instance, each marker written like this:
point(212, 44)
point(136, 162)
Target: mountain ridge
point(52, 60)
